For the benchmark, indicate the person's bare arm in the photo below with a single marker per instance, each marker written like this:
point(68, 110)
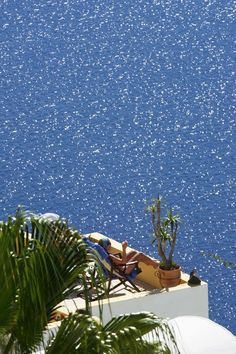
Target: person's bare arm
point(116, 259)
point(123, 259)
point(124, 255)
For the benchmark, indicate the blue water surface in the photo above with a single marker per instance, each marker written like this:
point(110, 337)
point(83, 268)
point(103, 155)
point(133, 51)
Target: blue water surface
point(106, 104)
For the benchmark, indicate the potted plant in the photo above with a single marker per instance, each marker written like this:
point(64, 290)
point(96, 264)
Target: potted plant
point(165, 234)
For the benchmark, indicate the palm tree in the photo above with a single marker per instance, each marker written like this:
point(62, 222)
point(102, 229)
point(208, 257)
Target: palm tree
point(40, 264)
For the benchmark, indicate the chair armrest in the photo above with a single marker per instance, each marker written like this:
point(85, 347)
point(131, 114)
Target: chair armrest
point(127, 264)
point(116, 254)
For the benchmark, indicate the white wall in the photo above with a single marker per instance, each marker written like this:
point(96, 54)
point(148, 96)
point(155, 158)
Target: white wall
point(168, 304)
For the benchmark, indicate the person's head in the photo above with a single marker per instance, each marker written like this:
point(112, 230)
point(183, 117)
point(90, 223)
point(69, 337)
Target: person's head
point(105, 243)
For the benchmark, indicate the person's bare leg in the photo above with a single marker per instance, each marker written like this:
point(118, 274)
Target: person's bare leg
point(130, 255)
point(140, 257)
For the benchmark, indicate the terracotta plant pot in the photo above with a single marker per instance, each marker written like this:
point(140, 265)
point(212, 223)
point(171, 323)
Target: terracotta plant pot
point(169, 278)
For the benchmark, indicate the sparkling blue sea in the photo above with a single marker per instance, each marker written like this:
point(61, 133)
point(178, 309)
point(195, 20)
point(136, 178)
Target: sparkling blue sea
point(105, 104)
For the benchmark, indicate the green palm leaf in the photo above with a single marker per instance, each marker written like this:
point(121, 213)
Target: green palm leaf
point(77, 334)
point(131, 328)
point(81, 333)
point(41, 263)
point(38, 273)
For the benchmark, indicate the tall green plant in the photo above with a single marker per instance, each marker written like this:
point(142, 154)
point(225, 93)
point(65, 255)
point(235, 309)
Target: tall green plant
point(164, 232)
point(40, 262)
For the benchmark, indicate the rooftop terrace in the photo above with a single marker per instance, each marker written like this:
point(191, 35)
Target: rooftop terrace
point(165, 302)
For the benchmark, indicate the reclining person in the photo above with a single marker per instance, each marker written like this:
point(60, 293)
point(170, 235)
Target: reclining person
point(124, 268)
point(126, 257)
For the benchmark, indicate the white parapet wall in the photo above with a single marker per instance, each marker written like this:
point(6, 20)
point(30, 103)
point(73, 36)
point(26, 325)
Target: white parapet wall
point(167, 303)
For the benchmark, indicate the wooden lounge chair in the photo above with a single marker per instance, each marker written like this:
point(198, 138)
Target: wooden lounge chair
point(113, 271)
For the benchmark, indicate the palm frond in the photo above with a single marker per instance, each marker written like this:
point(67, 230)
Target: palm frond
point(79, 333)
point(38, 273)
point(136, 326)
point(41, 263)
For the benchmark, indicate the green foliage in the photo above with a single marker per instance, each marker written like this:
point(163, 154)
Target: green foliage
point(164, 232)
point(219, 259)
point(81, 333)
point(41, 262)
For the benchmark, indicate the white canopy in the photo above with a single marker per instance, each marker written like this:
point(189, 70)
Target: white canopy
point(199, 335)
